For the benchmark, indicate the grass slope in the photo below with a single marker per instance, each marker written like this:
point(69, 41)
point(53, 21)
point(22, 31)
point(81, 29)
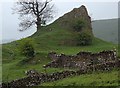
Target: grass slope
point(50, 38)
point(95, 79)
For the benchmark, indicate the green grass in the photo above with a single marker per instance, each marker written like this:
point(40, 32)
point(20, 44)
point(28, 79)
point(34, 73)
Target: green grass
point(0, 73)
point(59, 40)
point(95, 79)
point(16, 69)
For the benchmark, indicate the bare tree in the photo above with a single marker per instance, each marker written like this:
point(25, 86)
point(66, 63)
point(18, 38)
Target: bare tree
point(33, 12)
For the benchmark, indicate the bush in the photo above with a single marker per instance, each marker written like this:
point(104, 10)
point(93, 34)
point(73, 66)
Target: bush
point(26, 48)
point(79, 25)
point(84, 39)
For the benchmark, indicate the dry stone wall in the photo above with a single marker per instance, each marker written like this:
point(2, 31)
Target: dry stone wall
point(34, 78)
point(81, 60)
point(87, 62)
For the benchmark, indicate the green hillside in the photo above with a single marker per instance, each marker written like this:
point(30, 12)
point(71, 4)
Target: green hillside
point(106, 30)
point(58, 38)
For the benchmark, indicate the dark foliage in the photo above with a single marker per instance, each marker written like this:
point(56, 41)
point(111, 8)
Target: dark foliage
point(79, 25)
point(84, 39)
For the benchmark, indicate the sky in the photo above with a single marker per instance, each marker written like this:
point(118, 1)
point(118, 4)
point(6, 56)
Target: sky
point(98, 10)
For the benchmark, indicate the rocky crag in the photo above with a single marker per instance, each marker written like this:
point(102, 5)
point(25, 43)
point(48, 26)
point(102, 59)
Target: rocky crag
point(77, 14)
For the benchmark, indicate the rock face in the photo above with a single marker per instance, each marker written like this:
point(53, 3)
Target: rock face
point(77, 14)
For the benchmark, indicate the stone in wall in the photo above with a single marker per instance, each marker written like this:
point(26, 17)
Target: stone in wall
point(53, 56)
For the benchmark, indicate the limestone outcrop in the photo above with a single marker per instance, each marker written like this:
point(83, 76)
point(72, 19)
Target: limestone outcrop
point(76, 14)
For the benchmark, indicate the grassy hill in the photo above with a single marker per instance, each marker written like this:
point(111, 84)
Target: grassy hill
point(58, 38)
point(50, 38)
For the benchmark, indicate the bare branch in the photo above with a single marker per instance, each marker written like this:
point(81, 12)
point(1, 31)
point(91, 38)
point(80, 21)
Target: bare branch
point(44, 6)
point(37, 11)
point(25, 24)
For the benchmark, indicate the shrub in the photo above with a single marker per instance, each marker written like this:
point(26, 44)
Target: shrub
point(26, 48)
point(84, 39)
point(79, 25)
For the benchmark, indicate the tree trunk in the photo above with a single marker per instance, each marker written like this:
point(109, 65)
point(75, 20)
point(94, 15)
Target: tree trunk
point(38, 26)
point(38, 23)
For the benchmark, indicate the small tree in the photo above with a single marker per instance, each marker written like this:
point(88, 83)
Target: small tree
point(26, 48)
point(79, 25)
point(33, 12)
point(84, 39)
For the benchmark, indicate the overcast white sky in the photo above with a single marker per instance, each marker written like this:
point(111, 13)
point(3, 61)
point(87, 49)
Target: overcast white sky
point(100, 9)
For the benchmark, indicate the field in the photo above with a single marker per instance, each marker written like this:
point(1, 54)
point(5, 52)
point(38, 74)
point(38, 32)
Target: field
point(55, 38)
